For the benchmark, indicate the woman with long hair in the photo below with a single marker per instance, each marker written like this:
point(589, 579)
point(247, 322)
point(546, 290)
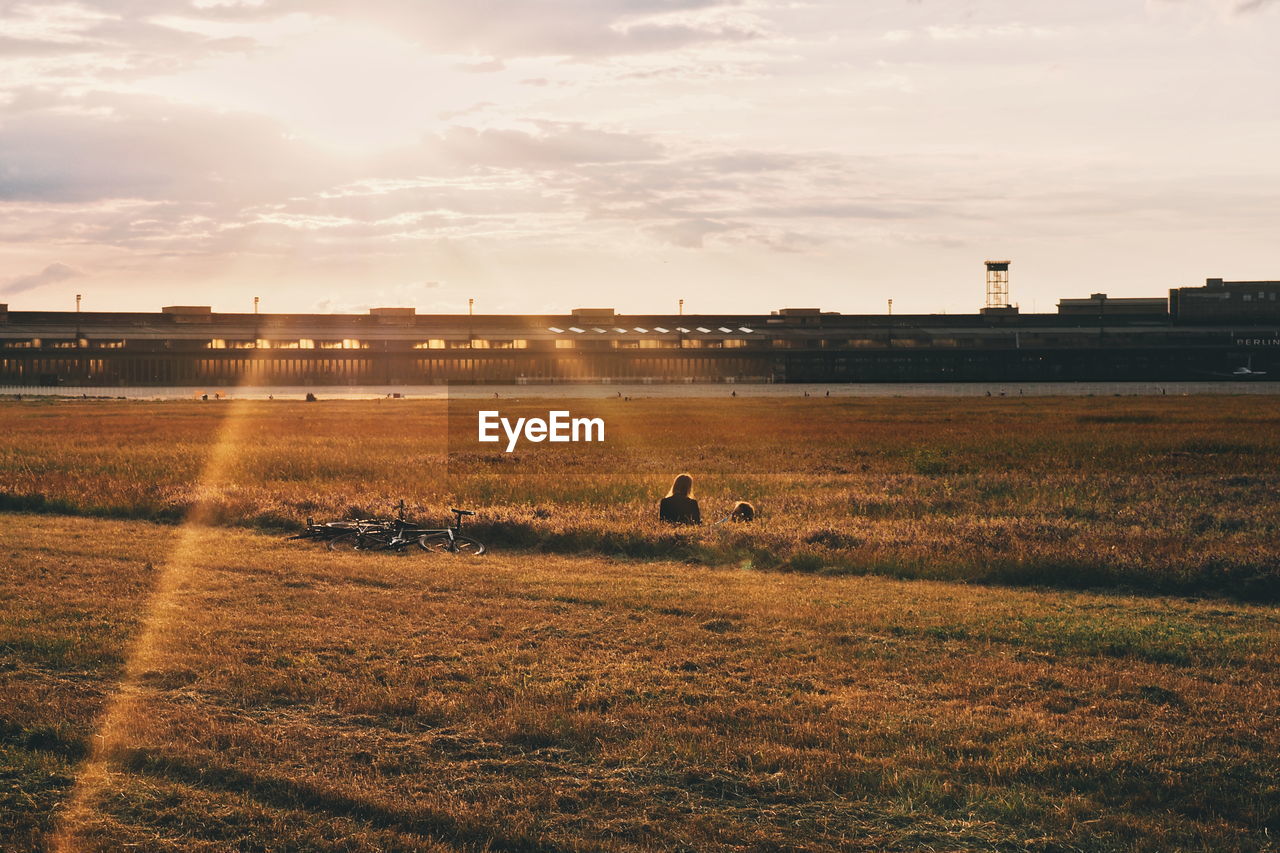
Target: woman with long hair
point(679, 507)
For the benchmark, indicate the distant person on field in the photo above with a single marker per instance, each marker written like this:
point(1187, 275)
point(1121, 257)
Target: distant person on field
point(679, 507)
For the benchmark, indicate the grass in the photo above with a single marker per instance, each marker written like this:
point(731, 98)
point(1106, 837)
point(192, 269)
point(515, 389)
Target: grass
point(293, 699)
point(1163, 495)
point(1003, 624)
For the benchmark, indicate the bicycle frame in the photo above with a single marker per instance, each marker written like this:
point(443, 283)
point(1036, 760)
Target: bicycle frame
point(404, 534)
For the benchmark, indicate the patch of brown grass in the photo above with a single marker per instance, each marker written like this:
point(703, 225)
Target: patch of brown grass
point(298, 699)
point(1168, 495)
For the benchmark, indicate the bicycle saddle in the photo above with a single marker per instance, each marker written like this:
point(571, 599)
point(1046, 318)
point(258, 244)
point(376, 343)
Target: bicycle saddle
point(461, 511)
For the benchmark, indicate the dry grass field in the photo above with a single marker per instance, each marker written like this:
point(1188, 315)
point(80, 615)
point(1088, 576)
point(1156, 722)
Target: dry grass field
point(224, 690)
point(992, 624)
point(1162, 494)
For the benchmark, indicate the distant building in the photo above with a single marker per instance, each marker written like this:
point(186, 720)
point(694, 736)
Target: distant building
point(1227, 301)
point(1101, 305)
point(1199, 333)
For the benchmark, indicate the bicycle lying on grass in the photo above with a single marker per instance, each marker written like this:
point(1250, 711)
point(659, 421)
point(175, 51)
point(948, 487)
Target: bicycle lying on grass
point(398, 534)
point(327, 530)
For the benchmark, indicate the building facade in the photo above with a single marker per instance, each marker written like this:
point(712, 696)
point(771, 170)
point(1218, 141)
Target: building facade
point(1198, 333)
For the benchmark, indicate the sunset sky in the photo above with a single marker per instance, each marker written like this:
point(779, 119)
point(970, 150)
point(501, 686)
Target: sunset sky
point(544, 155)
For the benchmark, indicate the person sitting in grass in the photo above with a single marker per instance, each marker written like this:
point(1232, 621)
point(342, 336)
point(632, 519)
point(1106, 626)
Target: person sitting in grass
point(679, 507)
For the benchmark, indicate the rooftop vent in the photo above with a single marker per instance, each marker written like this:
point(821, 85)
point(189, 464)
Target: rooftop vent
point(394, 316)
point(188, 314)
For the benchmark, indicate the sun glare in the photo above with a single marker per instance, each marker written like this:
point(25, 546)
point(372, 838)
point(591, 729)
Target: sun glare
point(357, 90)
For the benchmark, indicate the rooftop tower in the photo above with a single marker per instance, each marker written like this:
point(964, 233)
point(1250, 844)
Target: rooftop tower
point(998, 284)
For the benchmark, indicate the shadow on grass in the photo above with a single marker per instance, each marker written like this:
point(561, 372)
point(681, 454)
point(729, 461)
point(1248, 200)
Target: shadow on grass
point(825, 552)
point(59, 740)
point(279, 792)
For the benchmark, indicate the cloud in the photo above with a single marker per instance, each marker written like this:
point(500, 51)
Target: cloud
point(477, 107)
point(574, 28)
point(168, 180)
point(103, 146)
point(553, 143)
point(498, 29)
point(691, 233)
point(394, 296)
point(51, 274)
point(108, 39)
point(483, 67)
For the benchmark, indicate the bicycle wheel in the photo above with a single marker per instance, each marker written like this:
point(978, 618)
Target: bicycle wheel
point(377, 540)
point(345, 542)
point(440, 542)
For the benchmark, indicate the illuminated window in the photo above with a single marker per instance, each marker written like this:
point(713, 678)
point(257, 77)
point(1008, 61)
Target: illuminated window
point(479, 343)
point(458, 344)
point(734, 343)
point(329, 344)
point(281, 344)
point(651, 343)
point(564, 343)
point(434, 343)
point(240, 344)
point(116, 344)
point(217, 343)
point(352, 343)
point(262, 343)
point(306, 343)
point(62, 344)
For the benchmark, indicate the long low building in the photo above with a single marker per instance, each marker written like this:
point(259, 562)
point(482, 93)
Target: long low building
point(1196, 334)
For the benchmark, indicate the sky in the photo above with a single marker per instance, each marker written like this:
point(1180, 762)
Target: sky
point(542, 155)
